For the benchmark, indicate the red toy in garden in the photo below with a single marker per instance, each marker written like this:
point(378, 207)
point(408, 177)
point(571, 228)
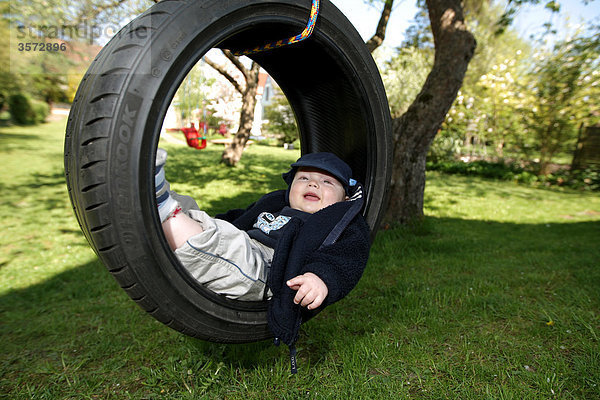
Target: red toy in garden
point(193, 138)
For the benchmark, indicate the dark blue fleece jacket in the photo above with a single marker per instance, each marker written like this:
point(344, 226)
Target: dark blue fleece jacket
point(332, 243)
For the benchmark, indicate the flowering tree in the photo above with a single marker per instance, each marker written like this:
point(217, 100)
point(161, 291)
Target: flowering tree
point(486, 116)
point(565, 87)
point(403, 76)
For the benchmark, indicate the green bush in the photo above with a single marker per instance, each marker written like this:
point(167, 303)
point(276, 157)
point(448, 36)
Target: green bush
point(486, 169)
point(24, 111)
point(20, 108)
point(41, 110)
point(588, 179)
point(282, 121)
point(582, 180)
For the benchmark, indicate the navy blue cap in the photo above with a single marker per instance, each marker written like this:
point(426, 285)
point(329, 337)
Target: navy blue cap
point(324, 161)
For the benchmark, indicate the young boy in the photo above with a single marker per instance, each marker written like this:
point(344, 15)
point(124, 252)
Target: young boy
point(303, 248)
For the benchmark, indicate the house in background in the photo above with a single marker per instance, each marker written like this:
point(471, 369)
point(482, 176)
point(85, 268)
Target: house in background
point(264, 96)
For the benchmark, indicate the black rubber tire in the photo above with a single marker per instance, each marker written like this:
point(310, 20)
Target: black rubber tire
point(330, 80)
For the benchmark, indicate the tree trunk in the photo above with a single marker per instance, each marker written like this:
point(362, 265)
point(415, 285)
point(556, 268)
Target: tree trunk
point(233, 153)
point(547, 149)
point(414, 131)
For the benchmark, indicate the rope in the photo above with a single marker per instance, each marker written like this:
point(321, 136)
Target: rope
point(308, 30)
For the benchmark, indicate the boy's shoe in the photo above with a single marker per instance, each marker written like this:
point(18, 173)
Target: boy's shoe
point(166, 204)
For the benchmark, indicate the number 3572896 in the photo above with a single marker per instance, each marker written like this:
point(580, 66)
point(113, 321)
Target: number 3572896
point(33, 46)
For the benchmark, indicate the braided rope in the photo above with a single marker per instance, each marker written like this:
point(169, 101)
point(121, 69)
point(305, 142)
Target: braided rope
point(308, 30)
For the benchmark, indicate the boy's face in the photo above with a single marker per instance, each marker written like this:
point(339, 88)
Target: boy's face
point(314, 189)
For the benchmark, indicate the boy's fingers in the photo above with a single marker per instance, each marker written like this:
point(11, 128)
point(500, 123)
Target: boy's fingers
point(301, 296)
point(307, 294)
point(297, 281)
point(306, 300)
point(316, 303)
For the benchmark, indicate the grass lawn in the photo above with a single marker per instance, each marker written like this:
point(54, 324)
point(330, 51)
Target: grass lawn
point(496, 295)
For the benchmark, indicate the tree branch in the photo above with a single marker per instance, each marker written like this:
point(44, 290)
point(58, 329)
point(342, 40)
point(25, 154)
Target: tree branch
point(112, 5)
point(379, 36)
point(238, 64)
point(454, 48)
point(86, 15)
point(226, 74)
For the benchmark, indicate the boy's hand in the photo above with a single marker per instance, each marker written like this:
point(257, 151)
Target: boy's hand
point(311, 290)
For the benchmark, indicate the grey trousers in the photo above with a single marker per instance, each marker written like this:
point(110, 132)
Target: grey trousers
point(224, 258)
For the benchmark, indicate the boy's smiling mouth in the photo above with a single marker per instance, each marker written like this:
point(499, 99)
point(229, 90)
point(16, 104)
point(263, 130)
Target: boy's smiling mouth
point(311, 196)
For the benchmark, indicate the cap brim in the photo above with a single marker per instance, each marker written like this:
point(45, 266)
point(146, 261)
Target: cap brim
point(310, 164)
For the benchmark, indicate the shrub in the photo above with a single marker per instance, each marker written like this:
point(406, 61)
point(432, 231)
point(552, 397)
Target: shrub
point(486, 169)
point(444, 148)
point(41, 110)
point(588, 179)
point(25, 111)
point(282, 121)
point(20, 108)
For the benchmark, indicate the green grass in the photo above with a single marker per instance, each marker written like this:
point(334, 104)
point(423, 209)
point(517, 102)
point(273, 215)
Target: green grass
point(494, 296)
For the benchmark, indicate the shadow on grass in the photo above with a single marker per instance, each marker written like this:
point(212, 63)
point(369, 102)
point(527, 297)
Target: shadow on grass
point(199, 170)
point(205, 166)
point(82, 318)
point(452, 275)
point(451, 272)
point(46, 190)
point(13, 141)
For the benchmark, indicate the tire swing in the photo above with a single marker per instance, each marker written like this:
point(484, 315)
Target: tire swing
point(330, 80)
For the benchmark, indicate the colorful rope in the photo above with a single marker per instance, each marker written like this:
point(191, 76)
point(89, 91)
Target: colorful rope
point(310, 27)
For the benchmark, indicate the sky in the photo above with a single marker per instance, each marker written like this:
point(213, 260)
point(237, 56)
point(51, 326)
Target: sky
point(573, 12)
point(530, 19)
point(365, 17)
